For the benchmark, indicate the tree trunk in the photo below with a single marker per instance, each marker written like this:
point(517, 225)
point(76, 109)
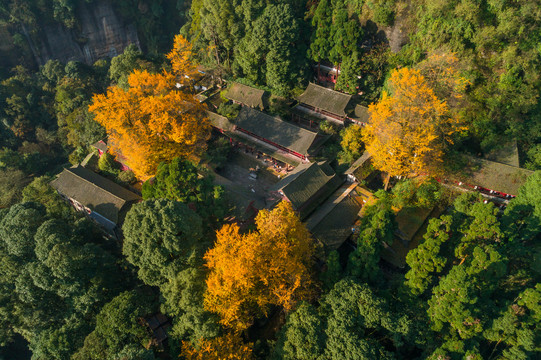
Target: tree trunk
point(387, 182)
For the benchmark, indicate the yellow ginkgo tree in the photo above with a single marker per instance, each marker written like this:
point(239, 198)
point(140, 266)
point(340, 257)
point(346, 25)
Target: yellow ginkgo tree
point(153, 121)
point(251, 272)
point(182, 60)
point(409, 126)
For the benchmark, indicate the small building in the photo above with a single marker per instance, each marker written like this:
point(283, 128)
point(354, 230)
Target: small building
point(246, 95)
point(493, 178)
point(102, 147)
point(157, 325)
point(308, 186)
point(326, 74)
point(333, 222)
point(327, 102)
point(360, 115)
point(99, 198)
point(360, 169)
point(411, 225)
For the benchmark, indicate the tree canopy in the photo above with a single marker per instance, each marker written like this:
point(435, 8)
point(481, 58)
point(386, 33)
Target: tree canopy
point(160, 237)
point(164, 240)
point(181, 180)
point(444, 79)
point(251, 272)
point(119, 329)
point(55, 274)
point(151, 122)
point(342, 325)
point(409, 127)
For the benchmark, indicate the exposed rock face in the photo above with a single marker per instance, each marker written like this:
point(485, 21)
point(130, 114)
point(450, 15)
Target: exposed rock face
point(101, 33)
point(397, 35)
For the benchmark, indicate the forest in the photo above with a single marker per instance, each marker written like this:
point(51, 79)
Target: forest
point(461, 80)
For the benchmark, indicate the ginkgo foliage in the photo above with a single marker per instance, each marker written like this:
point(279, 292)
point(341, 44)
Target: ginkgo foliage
point(409, 126)
point(152, 121)
point(251, 272)
point(226, 347)
point(181, 58)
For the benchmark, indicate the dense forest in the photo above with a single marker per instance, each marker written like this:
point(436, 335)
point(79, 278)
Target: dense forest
point(470, 290)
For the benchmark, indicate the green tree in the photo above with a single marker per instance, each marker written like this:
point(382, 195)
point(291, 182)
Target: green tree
point(377, 227)
point(183, 299)
point(25, 106)
point(221, 27)
point(53, 72)
point(123, 65)
point(484, 229)
point(416, 193)
point(428, 260)
point(320, 45)
point(230, 111)
point(534, 156)
point(180, 181)
point(12, 183)
point(523, 215)
point(349, 78)
point(271, 53)
point(18, 227)
point(160, 238)
point(455, 304)
point(301, 338)
point(41, 192)
point(76, 124)
point(119, 328)
point(163, 239)
point(55, 274)
point(383, 11)
point(345, 33)
point(374, 64)
point(502, 99)
point(476, 272)
point(333, 272)
point(518, 326)
point(343, 327)
point(108, 165)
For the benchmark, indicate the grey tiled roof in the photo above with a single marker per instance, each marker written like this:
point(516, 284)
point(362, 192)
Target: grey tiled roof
point(94, 191)
point(360, 113)
point(246, 95)
point(495, 176)
point(337, 225)
point(220, 122)
point(325, 99)
point(309, 186)
point(288, 135)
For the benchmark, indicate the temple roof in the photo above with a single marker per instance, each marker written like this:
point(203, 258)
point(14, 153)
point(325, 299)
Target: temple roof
point(325, 99)
point(246, 95)
point(278, 131)
point(94, 191)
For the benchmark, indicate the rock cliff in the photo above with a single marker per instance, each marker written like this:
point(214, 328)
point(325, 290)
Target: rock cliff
point(100, 32)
